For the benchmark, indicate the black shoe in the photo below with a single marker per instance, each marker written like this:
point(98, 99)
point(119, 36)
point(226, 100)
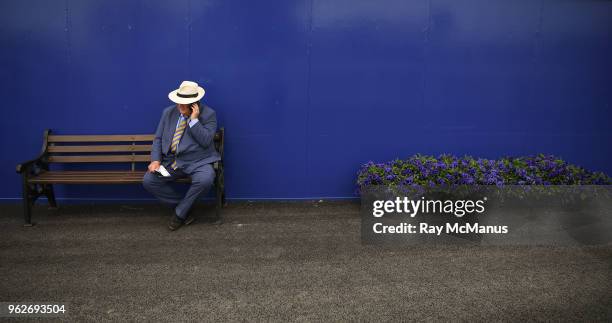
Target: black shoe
point(175, 223)
point(190, 218)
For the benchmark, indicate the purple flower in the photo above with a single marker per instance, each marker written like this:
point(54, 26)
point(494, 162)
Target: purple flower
point(448, 169)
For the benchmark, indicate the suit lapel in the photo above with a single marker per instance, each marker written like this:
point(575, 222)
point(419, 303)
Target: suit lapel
point(170, 128)
point(173, 120)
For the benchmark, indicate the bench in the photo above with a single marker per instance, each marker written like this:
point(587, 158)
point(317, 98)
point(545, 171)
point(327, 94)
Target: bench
point(38, 178)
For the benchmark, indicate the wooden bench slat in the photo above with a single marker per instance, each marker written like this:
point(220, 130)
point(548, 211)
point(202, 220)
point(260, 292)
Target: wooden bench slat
point(94, 177)
point(92, 172)
point(91, 176)
point(86, 181)
point(99, 138)
point(86, 178)
point(99, 148)
point(99, 158)
point(95, 181)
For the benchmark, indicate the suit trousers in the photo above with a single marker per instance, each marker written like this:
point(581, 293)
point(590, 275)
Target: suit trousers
point(161, 187)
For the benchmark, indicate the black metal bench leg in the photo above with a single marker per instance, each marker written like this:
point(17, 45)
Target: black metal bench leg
point(27, 207)
point(218, 207)
point(50, 196)
point(27, 212)
point(219, 196)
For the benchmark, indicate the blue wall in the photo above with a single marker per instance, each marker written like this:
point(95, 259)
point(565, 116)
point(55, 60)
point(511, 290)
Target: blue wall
point(310, 89)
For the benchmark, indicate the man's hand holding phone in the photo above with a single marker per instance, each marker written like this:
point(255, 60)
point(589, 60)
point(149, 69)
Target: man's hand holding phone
point(153, 166)
point(195, 111)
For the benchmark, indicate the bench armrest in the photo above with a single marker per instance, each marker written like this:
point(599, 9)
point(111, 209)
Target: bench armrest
point(218, 165)
point(27, 165)
point(38, 161)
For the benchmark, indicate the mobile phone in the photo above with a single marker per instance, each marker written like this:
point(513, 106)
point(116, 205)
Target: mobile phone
point(191, 105)
point(196, 103)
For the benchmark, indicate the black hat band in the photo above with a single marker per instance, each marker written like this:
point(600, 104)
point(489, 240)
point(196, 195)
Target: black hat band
point(186, 95)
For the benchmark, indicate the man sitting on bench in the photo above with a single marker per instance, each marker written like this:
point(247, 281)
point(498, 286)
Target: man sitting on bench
point(183, 145)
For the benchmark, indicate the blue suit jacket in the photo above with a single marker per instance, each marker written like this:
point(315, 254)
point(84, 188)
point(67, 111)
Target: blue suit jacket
point(196, 147)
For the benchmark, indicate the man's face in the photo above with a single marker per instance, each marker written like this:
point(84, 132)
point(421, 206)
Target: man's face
point(184, 109)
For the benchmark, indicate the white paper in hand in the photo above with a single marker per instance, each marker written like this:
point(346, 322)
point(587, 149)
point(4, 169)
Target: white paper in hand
point(162, 170)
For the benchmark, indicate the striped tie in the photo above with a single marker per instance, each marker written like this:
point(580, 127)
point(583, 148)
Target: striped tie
point(177, 138)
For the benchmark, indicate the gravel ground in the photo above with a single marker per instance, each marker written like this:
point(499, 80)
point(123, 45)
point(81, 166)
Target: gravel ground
point(298, 261)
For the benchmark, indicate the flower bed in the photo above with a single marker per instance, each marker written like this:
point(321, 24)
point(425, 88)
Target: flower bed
point(449, 170)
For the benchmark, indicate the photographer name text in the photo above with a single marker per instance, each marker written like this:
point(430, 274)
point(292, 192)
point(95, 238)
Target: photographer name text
point(412, 208)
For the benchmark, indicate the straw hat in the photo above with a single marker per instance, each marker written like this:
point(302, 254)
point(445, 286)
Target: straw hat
point(188, 92)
